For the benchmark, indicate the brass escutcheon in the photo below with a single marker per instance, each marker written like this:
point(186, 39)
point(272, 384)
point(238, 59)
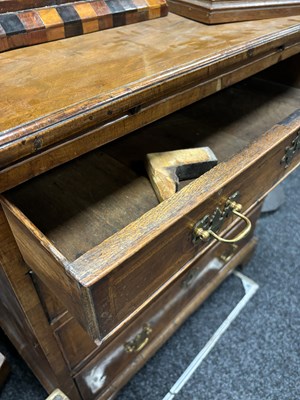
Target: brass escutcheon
point(140, 341)
point(207, 227)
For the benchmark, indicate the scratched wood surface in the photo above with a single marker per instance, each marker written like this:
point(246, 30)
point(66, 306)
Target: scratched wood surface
point(46, 99)
point(215, 12)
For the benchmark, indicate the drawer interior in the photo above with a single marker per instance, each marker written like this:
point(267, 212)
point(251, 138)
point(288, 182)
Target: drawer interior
point(80, 204)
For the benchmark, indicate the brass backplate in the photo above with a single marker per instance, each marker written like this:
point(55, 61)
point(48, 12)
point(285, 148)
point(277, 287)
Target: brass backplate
point(215, 220)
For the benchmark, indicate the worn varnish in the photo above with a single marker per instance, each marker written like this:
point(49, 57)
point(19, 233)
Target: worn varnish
point(53, 100)
point(122, 274)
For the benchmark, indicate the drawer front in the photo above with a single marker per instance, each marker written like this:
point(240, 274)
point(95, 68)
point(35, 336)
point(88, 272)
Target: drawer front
point(133, 346)
point(110, 284)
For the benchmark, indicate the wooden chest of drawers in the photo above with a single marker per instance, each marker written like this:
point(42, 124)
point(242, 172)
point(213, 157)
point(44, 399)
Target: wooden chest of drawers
point(96, 274)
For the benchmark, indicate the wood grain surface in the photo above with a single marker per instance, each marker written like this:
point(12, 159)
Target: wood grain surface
point(48, 100)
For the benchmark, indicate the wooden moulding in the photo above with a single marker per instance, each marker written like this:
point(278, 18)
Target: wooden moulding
point(215, 12)
point(27, 27)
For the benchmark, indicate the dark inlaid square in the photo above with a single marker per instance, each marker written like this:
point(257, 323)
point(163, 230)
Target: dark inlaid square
point(11, 24)
point(118, 12)
point(72, 21)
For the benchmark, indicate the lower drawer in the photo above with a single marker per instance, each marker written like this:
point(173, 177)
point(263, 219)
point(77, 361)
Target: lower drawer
point(123, 356)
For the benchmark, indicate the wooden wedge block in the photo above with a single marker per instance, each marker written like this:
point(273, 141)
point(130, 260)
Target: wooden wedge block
point(167, 169)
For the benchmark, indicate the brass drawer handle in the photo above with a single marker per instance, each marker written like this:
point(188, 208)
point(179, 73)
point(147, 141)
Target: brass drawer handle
point(140, 341)
point(207, 226)
point(240, 235)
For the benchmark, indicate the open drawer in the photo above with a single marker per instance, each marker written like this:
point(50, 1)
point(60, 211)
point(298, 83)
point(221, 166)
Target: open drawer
point(93, 231)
